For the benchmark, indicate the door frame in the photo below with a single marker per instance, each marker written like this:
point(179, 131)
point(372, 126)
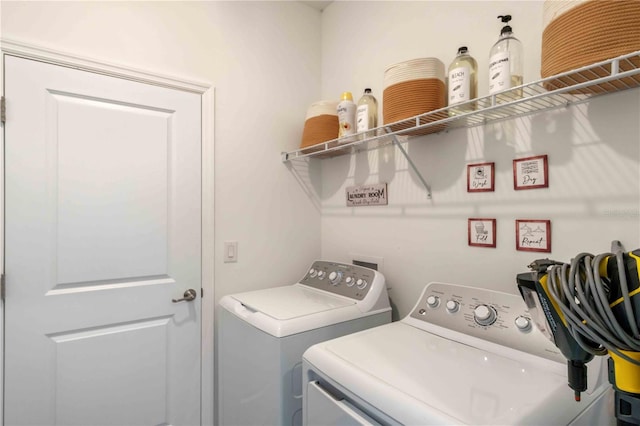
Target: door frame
point(206, 92)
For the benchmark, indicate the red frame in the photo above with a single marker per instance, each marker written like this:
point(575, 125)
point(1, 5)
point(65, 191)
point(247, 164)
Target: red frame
point(545, 165)
point(547, 224)
point(469, 229)
point(493, 177)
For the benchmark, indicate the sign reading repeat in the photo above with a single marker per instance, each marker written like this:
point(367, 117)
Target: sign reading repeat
point(367, 195)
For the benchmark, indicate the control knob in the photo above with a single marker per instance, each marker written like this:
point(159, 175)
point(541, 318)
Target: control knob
point(360, 283)
point(349, 281)
point(453, 306)
point(313, 273)
point(335, 277)
point(523, 323)
point(433, 301)
point(484, 315)
point(321, 274)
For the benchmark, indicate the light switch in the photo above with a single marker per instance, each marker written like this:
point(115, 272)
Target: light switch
point(230, 251)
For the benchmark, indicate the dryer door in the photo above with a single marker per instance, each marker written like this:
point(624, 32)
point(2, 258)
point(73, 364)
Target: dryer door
point(324, 409)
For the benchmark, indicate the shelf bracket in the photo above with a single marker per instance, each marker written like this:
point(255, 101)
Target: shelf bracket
point(394, 139)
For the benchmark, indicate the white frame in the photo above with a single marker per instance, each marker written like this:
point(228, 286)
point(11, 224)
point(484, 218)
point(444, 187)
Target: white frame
point(206, 91)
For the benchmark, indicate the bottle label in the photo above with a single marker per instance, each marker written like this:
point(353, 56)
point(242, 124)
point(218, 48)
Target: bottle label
point(362, 118)
point(499, 73)
point(459, 85)
point(346, 118)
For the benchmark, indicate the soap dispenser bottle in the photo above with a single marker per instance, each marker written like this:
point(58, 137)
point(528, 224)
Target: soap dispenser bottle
point(367, 114)
point(462, 82)
point(505, 64)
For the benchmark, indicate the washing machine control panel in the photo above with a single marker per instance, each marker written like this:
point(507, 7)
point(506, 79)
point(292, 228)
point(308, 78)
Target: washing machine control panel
point(342, 278)
point(495, 316)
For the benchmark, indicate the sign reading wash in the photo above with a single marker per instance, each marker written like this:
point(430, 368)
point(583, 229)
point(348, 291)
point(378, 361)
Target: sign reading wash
point(367, 195)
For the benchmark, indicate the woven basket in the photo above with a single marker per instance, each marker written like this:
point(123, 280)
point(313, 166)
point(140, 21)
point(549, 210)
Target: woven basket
point(410, 98)
point(321, 125)
point(578, 34)
point(318, 129)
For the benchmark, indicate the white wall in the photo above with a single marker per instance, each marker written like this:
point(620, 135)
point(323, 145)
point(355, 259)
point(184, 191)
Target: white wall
point(264, 60)
point(593, 152)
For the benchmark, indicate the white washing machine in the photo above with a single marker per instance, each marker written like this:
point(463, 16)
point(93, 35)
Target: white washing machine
point(262, 335)
point(464, 356)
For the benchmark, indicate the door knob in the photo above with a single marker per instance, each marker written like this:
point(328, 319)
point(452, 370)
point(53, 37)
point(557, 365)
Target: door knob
point(187, 296)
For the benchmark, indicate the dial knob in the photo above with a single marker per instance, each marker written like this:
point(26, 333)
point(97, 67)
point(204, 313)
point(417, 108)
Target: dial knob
point(433, 301)
point(349, 281)
point(361, 283)
point(484, 315)
point(453, 306)
point(321, 274)
point(313, 273)
point(523, 323)
point(335, 277)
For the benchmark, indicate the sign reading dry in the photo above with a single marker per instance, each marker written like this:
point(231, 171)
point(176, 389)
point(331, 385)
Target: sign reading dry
point(367, 195)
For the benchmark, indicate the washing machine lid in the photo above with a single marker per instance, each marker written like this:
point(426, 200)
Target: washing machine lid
point(416, 377)
point(292, 301)
point(288, 310)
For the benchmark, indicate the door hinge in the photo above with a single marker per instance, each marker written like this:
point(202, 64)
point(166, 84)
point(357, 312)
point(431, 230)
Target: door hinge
point(3, 110)
point(2, 287)
point(201, 292)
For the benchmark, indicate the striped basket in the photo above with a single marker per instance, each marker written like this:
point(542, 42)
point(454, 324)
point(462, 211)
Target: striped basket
point(578, 33)
point(321, 125)
point(413, 88)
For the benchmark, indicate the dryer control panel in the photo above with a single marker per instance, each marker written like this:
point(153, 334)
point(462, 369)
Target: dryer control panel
point(489, 315)
point(341, 278)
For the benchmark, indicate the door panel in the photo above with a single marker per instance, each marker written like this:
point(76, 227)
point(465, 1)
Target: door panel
point(102, 231)
point(104, 355)
point(99, 148)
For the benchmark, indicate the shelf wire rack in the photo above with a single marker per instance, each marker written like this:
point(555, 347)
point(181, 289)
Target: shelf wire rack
point(561, 90)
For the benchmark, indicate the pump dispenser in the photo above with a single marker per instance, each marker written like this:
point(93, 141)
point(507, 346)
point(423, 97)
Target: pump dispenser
point(462, 82)
point(505, 64)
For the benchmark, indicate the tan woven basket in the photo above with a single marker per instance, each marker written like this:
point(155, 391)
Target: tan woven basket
point(318, 129)
point(410, 98)
point(590, 32)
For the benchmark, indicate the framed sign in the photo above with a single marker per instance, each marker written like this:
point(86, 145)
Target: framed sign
point(480, 177)
point(367, 195)
point(533, 235)
point(530, 173)
point(482, 232)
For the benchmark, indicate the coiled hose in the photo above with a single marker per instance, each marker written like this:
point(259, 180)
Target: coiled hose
point(583, 297)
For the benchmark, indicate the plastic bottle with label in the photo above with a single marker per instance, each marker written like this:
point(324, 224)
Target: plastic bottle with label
point(505, 64)
point(462, 82)
point(367, 114)
point(346, 116)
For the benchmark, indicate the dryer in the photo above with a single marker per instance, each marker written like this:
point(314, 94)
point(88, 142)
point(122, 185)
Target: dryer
point(263, 334)
point(463, 356)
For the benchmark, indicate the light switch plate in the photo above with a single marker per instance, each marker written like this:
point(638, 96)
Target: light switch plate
point(230, 251)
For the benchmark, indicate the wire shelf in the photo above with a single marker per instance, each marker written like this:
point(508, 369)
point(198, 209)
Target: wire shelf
point(561, 90)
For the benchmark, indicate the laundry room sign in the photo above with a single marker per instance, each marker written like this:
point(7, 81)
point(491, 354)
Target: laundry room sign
point(367, 195)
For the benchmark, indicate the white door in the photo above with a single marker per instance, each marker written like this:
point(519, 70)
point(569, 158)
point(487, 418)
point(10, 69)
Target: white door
point(102, 232)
